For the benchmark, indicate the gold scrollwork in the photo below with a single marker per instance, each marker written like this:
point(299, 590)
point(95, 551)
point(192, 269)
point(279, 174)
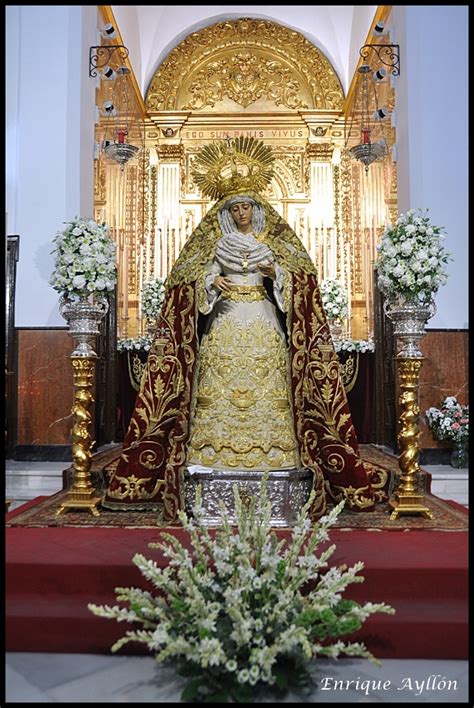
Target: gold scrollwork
point(245, 293)
point(170, 153)
point(244, 78)
point(242, 416)
point(322, 152)
point(349, 371)
point(136, 367)
point(259, 46)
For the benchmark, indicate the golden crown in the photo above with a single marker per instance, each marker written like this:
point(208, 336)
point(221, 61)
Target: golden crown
point(232, 166)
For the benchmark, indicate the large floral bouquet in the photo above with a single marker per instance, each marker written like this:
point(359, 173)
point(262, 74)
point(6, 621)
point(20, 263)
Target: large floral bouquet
point(450, 422)
point(152, 298)
point(84, 259)
point(238, 610)
point(334, 297)
point(411, 261)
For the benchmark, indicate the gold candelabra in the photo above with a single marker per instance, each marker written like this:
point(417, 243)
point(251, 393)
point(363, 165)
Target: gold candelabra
point(407, 499)
point(83, 317)
point(82, 495)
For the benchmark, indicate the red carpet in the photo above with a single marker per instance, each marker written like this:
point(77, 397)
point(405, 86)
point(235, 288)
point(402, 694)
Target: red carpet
point(52, 573)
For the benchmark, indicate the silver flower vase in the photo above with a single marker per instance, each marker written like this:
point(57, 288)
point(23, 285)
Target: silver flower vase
point(336, 329)
point(83, 316)
point(409, 321)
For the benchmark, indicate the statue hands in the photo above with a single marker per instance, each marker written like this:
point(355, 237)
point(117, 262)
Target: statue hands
point(267, 269)
point(222, 283)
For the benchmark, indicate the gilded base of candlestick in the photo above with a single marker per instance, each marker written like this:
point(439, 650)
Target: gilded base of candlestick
point(405, 504)
point(407, 499)
point(82, 494)
point(81, 501)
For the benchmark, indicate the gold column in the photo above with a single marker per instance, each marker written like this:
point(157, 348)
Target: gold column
point(406, 499)
point(82, 494)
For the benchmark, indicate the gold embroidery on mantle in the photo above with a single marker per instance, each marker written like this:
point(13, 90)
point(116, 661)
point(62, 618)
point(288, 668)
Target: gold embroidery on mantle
point(242, 416)
point(350, 371)
point(355, 498)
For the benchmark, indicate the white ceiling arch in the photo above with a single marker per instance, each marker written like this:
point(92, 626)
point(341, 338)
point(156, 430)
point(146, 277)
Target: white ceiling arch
point(151, 32)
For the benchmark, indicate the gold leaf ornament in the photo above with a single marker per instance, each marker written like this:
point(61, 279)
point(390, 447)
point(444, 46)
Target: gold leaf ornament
point(233, 166)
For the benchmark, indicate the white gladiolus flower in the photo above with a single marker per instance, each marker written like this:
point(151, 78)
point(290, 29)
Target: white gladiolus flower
point(240, 640)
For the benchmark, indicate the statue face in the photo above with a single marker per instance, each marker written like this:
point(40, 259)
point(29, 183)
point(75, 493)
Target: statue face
point(242, 215)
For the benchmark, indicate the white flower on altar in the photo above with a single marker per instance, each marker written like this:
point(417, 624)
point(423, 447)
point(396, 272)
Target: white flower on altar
point(334, 298)
point(84, 259)
point(152, 298)
point(419, 268)
point(134, 344)
point(355, 345)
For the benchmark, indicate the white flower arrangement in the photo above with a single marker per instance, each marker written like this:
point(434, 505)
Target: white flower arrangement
point(134, 344)
point(152, 298)
point(237, 610)
point(450, 422)
point(355, 345)
point(85, 260)
point(411, 261)
point(334, 297)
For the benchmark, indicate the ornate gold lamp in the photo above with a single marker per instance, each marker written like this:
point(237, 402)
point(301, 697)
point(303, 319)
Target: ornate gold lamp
point(365, 134)
point(409, 324)
point(83, 318)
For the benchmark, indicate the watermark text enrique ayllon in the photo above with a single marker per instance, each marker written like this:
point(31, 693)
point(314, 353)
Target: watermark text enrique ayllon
point(433, 682)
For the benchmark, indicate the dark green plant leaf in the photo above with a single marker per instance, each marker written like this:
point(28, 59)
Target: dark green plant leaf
point(191, 690)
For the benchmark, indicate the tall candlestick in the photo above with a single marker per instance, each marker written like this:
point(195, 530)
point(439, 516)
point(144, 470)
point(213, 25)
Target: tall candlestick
point(367, 286)
point(349, 288)
point(125, 281)
point(325, 251)
point(342, 263)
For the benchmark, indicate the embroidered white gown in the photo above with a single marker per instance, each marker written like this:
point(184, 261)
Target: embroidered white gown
point(241, 416)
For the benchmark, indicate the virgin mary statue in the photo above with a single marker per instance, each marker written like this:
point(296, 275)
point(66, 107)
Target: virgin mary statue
point(246, 376)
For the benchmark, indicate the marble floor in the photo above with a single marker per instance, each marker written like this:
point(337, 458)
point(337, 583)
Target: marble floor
point(73, 678)
point(85, 678)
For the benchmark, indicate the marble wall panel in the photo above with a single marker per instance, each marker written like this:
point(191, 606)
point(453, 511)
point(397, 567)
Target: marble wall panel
point(445, 372)
point(45, 386)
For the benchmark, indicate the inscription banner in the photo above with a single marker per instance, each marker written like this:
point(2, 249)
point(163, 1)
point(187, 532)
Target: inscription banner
point(207, 134)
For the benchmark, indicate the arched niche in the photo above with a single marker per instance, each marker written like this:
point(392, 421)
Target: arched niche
point(249, 65)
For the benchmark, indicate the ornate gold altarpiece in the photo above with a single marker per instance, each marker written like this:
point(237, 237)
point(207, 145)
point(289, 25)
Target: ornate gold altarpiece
point(254, 78)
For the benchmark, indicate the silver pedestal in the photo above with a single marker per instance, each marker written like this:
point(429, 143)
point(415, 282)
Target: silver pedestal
point(287, 490)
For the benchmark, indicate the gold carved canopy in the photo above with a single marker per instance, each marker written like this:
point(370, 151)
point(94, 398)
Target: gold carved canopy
point(245, 64)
